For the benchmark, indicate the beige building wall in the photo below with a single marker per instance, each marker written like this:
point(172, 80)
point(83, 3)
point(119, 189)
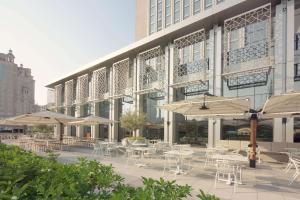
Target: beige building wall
point(16, 88)
point(141, 24)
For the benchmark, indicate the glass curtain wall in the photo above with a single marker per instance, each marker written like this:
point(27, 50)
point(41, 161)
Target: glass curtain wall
point(73, 128)
point(86, 112)
point(190, 130)
point(154, 128)
point(297, 129)
point(103, 112)
point(125, 105)
point(257, 87)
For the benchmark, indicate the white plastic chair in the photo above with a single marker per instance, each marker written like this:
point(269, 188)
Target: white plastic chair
point(227, 173)
point(296, 164)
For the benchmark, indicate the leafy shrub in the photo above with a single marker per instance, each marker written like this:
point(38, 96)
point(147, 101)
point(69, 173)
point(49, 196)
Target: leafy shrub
point(203, 196)
point(23, 175)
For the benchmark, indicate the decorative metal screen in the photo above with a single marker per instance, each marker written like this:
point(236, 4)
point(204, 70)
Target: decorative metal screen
point(152, 70)
point(123, 78)
point(58, 95)
point(246, 81)
point(196, 89)
point(190, 62)
point(82, 89)
point(247, 40)
point(69, 90)
point(100, 84)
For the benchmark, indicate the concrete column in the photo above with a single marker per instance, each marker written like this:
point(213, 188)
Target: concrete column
point(95, 128)
point(217, 77)
point(279, 71)
point(171, 115)
point(290, 55)
point(166, 89)
point(67, 130)
point(137, 99)
point(210, 78)
point(114, 115)
point(79, 129)
point(113, 111)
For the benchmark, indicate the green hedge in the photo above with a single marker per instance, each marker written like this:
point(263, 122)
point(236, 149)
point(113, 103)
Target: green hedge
point(23, 175)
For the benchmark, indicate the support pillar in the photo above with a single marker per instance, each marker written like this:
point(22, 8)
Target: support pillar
point(67, 130)
point(171, 116)
point(79, 129)
point(95, 128)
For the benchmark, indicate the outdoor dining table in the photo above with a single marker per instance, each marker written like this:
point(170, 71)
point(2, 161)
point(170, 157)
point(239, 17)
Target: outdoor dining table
point(230, 157)
point(180, 155)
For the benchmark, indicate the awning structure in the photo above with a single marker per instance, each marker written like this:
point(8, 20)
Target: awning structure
point(92, 120)
point(211, 107)
point(285, 105)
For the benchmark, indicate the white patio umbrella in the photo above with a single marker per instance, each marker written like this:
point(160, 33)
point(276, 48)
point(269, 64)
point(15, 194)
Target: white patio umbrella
point(92, 120)
point(210, 107)
point(284, 105)
point(42, 117)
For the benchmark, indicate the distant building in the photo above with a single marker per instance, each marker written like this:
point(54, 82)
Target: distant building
point(16, 87)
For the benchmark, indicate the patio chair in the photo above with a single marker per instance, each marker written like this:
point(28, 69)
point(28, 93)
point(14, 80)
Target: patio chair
point(151, 153)
point(296, 164)
point(171, 163)
point(98, 149)
point(132, 155)
point(209, 153)
point(227, 173)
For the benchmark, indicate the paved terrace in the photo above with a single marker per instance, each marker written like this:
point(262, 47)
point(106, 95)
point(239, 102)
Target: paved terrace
point(267, 181)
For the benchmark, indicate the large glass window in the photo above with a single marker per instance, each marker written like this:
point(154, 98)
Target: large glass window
point(152, 16)
point(190, 130)
point(208, 4)
point(196, 51)
point(176, 11)
point(168, 13)
point(240, 130)
point(297, 72)
point(297, 129)
point(186, 9)
point(256, 32)
point(297, 41)
point(159, 15)
point(196, 6)
point(125, 105)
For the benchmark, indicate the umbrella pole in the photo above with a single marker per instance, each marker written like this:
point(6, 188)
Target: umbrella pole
point(252, 154)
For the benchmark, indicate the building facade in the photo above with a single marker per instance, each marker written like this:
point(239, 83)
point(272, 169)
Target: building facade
point(16, 87)
point(185, 48)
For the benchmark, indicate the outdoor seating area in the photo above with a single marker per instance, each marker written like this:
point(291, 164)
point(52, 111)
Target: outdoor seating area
point(227, 164)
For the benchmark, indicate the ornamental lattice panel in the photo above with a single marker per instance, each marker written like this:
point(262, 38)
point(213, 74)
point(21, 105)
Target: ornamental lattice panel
point(100, 84)
point(152, 70)
point(82, 89)
point(191, 70)
point(69, 90)
point(58, 93)
point(123, 79)
point(247, 40)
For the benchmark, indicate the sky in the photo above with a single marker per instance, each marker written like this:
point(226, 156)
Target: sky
point(55, 37)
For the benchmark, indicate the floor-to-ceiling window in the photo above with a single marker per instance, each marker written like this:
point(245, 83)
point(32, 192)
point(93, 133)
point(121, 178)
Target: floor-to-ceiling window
point(297, 129)
point(125, 105)
point(154, 128)
point(73, 128)
point(86, 112)
point(191, 130)
point(103, 112)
